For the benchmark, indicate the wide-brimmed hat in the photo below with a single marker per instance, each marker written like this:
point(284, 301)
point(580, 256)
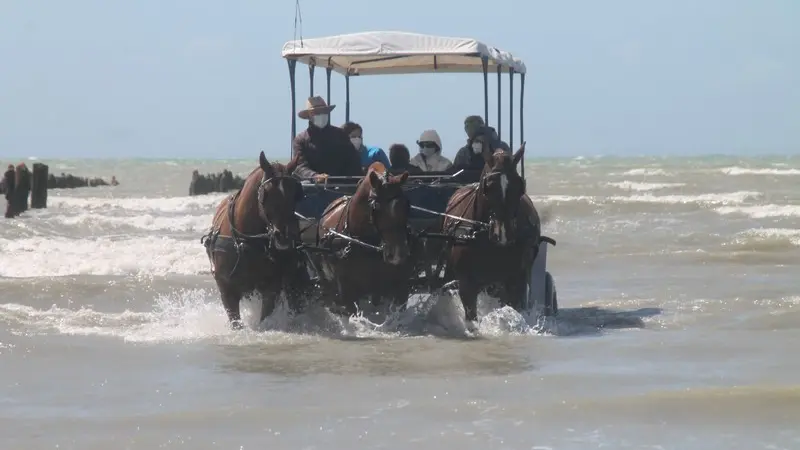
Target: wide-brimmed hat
point(315, 105)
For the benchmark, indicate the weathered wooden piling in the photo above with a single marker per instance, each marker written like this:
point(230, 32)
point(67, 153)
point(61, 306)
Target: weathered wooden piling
point(220, 182)
point(39, 186)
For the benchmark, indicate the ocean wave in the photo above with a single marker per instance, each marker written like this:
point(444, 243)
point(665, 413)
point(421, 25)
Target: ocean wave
point(770, 236)
point(725, 198)
point(205, 203)
point(761, 211)
point(636, 186)
point(736, 170)
point(143, 256)
point(647, 172)
point(148, 222)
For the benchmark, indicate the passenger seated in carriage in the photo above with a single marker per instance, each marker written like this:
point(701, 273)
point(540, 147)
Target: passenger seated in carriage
point(465, 156)
point(471, 156)
point(429, 158)
point(322, 149)
point(401, 160)
point(368, 155)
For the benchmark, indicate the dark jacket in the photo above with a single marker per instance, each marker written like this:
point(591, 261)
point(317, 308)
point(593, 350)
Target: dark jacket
point(8, 183)
point(407, 167)
point(325, 150)
point(467, 159)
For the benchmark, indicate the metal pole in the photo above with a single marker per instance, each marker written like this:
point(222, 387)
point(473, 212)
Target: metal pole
point(347, 97)
point(311, 68)
point(328, 77)
point(292, 65)
point(511, 108)
point(485, 64)
point(499, 102)
point(522, 117)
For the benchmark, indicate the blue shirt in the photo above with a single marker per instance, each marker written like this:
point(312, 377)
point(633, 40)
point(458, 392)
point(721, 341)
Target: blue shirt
point(370, 155)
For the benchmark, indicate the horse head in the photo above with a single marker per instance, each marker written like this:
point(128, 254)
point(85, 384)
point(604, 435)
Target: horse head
point(389, 211)
point(278, 195)
point(502, 187)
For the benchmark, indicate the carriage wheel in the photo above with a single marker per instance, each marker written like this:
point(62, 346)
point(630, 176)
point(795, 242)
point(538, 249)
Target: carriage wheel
point(550, 296)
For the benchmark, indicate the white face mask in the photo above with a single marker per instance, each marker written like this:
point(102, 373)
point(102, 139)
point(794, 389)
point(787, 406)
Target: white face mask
point(477, 147)
point(356, 142)
point(427, 151)
point(320, 120)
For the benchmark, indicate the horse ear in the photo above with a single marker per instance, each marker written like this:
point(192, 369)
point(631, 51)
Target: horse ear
point(519, 154)
point(265, 165)
point(374, 179)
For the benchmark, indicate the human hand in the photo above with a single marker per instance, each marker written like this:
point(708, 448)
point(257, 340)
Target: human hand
point(321, 177)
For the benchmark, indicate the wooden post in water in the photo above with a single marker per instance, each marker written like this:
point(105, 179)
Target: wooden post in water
point(39, 186)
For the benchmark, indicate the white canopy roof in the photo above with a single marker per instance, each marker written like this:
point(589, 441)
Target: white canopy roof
point(395, 52)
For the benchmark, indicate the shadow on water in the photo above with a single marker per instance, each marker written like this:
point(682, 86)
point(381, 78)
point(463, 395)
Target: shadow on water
point(594, 320)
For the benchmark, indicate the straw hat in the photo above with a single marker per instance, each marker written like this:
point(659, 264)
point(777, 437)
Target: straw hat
point(315, 105)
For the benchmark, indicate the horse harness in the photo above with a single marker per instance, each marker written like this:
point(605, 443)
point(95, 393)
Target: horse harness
point(262, 243)
point(326, 240)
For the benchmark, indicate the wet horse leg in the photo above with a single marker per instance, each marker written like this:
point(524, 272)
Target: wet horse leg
point(514, 290)
point(231, 297)
point(468, 291)
point(269, 297)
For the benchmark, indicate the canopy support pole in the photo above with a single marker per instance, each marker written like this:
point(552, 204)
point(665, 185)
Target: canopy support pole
point(522, 117)
point(347, 97)
point(311, 67)
point(485, 64)
point(511, 108)
point(328, 71)
point(292, 66)
point(499, 101)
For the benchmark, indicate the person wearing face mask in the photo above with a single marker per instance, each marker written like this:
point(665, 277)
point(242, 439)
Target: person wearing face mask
point(471, 157)
point(472, 126)
point(322, 149)
point(429, 158)
point(368, 155)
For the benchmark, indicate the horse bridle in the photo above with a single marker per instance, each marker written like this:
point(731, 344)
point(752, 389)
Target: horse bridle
point(271, 230)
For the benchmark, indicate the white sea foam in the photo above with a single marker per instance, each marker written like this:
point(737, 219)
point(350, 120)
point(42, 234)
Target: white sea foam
point(643, 187)
point(145, 256)
point(735, 170)
point(647, 172)
point(761, 211)
point(725, 198)
point(148, 222)
point(204, 203)
point(197, 314)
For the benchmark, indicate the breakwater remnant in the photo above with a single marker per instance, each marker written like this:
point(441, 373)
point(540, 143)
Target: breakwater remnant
point(19, 183)
point(16, 186)
point(39, 177)
point(69, 181)
point(214, 182)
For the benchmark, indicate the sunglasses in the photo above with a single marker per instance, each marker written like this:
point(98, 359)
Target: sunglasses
point(427, 145)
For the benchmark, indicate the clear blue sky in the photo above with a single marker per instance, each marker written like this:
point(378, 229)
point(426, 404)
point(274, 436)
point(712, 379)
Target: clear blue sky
point(203, 78)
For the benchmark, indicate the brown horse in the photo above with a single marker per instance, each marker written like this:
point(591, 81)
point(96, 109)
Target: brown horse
point(253, 240)
point(505, 231)
point(369, 242)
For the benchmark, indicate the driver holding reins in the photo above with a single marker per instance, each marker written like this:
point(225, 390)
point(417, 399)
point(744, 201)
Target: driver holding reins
point(322, 149)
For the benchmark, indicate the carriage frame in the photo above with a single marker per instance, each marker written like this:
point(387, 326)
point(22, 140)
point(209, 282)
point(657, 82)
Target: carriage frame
point(398, 53)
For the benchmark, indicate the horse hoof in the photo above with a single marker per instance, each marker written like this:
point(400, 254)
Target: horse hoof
point(237, 325)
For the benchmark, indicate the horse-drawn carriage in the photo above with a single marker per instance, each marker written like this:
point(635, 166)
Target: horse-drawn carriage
point(443, 241)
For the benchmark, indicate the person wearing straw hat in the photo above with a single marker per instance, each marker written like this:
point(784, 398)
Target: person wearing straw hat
point(322, 149)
